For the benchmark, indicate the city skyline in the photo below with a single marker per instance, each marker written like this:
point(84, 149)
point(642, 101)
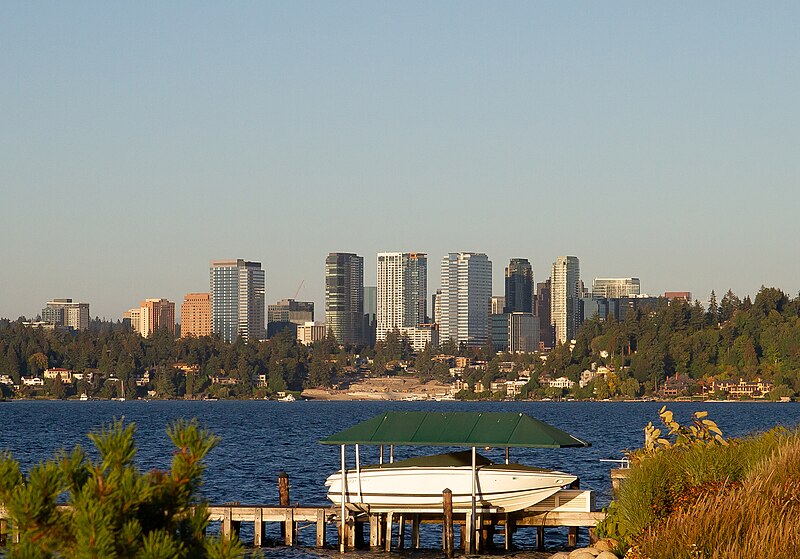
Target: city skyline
point(656, 142)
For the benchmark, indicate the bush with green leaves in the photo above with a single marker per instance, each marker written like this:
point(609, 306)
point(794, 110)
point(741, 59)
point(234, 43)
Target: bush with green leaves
point(70, 506)
point(688, 465)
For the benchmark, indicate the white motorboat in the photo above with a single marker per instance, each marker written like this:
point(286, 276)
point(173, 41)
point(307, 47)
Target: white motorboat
point(416, 484)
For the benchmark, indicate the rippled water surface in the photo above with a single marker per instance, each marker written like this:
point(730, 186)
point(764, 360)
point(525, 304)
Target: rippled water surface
point(259, 439)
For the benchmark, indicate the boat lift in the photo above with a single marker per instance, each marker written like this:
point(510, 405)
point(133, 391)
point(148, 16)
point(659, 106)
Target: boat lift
point(459, 429)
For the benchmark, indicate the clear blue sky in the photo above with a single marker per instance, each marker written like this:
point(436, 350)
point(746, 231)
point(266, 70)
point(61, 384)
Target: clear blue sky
point(140, 140)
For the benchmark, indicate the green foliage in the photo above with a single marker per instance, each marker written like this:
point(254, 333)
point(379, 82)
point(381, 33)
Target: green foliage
point(113, 510)
point(675, 472)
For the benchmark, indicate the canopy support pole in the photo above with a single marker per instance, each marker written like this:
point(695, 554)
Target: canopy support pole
point(507, 455)
point(342, 520)
point(471, 526)
point(391, 454)
point(358, 474)
point(380, 458)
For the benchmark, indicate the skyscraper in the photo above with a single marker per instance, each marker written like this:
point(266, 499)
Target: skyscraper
point(156, 314)
point(402, 291)
point(614, 288)
point(237, 299)
point(196, 315)
point(565, 297)
point(519, 286)
point(466, 293)
point(344, 297)
point(543, 313)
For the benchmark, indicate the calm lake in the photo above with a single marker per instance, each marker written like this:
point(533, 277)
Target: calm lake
point(262, 438)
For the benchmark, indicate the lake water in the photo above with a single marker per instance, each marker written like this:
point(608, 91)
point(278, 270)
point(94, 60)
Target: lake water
point(259, 439)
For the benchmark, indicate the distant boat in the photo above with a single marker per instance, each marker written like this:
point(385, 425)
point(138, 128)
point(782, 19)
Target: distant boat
point(288, 398)
point(84, 397)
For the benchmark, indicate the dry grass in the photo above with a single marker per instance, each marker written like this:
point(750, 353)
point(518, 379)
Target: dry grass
point(756, 518)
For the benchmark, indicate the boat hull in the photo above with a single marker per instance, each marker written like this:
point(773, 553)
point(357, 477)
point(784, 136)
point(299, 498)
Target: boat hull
point(419, 489)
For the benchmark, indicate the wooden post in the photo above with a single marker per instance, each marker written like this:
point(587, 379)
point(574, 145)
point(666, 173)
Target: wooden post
point(509, 531)
point(227, 527)
point(415, 531)
point(469, 534)
point(447, 522)
point(572, 536)
point(374, 530)
point(540, 538)
point(389, 521)
point(283, 497)
point(401, 532)
point(320, 528)
point(351, 531)
point(258, 528)
point(289, 526)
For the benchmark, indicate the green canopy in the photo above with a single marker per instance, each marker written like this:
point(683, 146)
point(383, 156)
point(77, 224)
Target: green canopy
point(456, 429)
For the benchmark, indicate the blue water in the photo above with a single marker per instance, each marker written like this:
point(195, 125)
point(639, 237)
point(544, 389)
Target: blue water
point(259, 439)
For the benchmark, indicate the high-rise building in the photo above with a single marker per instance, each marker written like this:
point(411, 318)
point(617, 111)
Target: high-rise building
point(543, 313)
point(151, 315)
point(614, 288)
point(289, 310)
point(344, 297)
point(288, 314)
point(157, 314)
point(196, 315)
point(523, 332)
point(519, 286)
point(497, 304)
point(565, 297)
point(465, 299)
point(63, 312)
point(237, 299)
point(370, 314)
point(436, 314)
point(402, 291)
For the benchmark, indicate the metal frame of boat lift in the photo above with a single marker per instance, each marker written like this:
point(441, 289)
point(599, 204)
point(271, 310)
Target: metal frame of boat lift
point(470, 429)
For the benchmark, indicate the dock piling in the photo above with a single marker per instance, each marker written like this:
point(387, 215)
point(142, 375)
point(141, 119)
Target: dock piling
point(447, 523)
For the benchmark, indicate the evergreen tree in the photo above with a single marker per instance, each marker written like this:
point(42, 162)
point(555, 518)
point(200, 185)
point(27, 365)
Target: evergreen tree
point(113, 509)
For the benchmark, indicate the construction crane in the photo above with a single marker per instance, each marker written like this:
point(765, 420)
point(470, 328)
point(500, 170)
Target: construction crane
point(299, 287)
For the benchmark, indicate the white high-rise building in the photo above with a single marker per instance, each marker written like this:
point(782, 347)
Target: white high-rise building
point(565, 297)
point(466, 295)
point(402, 291)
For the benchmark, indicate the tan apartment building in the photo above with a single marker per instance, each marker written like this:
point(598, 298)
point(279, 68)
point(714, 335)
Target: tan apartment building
point(196, 315)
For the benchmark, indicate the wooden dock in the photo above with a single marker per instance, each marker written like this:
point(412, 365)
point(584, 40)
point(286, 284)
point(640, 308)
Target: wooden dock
point(569, 508)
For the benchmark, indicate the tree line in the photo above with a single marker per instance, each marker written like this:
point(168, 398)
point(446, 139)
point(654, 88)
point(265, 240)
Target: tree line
point(728, 339)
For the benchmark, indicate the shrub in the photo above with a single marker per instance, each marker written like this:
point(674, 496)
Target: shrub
point(114, 510)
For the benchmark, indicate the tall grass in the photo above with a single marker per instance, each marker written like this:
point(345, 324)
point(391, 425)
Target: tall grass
point(672, 484)
point(757, 518)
